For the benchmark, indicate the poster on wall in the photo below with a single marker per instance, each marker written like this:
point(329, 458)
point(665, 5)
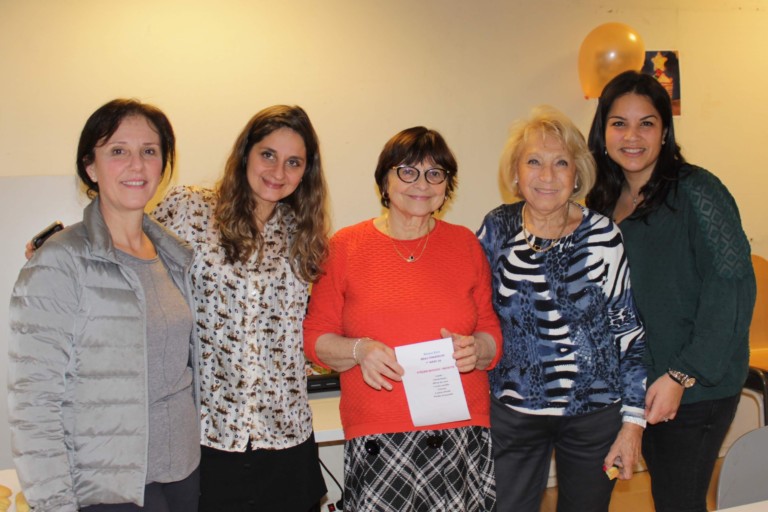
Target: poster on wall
point(665, 66)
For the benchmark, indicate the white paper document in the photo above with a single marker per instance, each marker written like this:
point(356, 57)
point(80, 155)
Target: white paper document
point(432, 382)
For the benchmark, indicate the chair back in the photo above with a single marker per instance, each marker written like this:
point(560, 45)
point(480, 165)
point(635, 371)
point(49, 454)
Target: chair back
point(758, 329)
point(742, 475)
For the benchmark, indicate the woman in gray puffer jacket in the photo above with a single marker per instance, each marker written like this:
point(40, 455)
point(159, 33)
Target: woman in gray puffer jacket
point(103, 389)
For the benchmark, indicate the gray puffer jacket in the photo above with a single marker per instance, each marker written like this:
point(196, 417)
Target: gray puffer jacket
point(77, 367)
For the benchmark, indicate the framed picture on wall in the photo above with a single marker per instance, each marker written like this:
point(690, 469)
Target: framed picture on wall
point(664, 65)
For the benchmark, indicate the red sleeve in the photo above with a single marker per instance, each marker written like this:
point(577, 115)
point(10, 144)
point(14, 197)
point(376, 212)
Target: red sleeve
point(326, 302)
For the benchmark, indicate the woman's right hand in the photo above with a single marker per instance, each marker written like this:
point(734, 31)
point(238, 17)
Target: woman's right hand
point(378, 364)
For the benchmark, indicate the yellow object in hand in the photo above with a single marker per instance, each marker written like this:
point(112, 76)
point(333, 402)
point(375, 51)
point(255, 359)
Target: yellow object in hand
point(5, 492)
point(5, 504)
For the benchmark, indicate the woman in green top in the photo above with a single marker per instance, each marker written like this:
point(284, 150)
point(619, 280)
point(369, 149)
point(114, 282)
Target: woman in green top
point(692, 278)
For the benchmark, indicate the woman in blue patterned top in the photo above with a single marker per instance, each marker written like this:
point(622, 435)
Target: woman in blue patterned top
point(571, 377)
point(695, 284)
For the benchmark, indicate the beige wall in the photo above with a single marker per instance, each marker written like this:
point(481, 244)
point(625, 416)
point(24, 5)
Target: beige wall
point(363, 70)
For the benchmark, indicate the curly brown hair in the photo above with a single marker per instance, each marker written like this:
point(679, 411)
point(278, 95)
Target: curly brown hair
point(240, 235)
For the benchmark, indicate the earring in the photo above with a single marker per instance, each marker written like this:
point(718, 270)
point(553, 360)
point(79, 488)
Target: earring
point(605, 151)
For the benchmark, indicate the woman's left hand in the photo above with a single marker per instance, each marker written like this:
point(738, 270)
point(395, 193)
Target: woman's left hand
point(662, 400)
point(470, 352)
point(625, 451)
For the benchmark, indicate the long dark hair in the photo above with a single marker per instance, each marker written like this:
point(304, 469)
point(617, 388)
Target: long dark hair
point(240, 236)
point(610, 177)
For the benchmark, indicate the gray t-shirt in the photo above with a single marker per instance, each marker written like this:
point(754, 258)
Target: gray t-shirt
point(174, 443)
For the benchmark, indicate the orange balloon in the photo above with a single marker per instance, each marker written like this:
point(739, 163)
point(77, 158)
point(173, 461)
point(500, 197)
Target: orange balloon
point(608, 50)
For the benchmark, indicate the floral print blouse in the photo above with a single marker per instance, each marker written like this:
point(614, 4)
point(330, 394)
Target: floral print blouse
point(249, 320)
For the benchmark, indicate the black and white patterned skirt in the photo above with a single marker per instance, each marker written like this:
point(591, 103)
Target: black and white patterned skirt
point(431, 471)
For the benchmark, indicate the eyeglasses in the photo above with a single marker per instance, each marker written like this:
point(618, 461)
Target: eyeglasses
point(408, 174)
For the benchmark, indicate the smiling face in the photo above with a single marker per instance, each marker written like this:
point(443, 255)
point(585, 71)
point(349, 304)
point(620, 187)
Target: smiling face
point(128, 166)
point(417, 199)
point(546, 174)
point(634, 134)
point(275, 167)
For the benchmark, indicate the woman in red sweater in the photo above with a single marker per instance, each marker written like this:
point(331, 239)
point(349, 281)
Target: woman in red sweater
point(402, 278)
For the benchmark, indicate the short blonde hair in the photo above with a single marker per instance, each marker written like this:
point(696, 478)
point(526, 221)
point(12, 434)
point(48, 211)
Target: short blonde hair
point(547, 120)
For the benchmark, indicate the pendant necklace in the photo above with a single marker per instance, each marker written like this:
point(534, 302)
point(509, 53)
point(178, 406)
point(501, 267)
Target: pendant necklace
point(412, 256)
point(541, 248)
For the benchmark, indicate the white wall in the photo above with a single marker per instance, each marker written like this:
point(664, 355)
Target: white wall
point(364, 70)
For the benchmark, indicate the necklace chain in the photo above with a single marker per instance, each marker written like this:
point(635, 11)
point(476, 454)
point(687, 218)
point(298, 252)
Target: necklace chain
point(634, 197)
point(542, 249)
point(411, 258)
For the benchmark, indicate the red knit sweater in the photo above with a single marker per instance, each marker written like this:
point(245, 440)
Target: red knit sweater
point(368, 290)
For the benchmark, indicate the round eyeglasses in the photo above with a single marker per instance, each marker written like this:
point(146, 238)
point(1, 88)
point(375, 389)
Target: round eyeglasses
point(408, 174)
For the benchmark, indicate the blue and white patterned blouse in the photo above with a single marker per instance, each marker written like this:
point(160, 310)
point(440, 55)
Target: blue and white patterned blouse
point(573, 340)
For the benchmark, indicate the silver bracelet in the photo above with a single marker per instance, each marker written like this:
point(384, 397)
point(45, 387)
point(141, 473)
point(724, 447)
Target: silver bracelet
point(354, 350)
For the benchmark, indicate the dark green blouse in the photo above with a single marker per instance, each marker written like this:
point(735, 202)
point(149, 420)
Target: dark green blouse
point(694, 285)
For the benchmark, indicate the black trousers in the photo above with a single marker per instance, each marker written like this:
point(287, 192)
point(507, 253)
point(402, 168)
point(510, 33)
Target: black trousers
point(523, 445)
point(681, 453)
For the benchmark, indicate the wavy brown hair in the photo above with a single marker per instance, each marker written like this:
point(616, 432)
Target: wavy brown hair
point(235, 207)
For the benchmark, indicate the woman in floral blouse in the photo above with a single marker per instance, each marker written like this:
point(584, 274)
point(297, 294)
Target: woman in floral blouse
point(259, 238)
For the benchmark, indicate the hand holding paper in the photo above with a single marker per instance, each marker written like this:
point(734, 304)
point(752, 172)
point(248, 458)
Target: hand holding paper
point(432, 382)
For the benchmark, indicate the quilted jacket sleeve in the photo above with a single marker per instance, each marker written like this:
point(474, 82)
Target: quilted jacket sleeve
point(43, 305)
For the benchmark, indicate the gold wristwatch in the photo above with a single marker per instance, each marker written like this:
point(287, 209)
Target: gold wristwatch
point(681, 378)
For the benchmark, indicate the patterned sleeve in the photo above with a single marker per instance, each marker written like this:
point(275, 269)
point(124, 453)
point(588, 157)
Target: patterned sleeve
point(486, 236)
point(173, 211)
point(627, 329)
point(721, 254)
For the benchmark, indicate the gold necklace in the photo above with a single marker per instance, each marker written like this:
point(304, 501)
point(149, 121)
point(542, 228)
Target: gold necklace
point(536, 247)
point(411, 258)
